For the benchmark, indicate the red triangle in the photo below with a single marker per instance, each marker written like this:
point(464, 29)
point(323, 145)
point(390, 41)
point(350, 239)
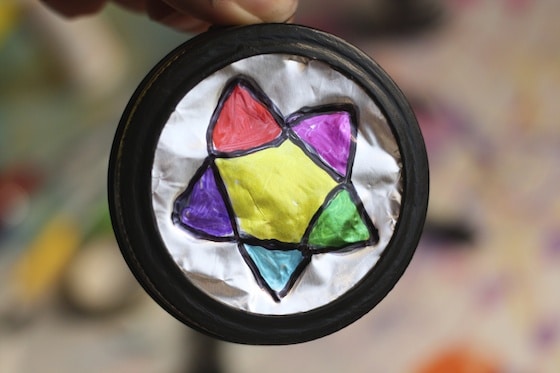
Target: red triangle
point(243, 123)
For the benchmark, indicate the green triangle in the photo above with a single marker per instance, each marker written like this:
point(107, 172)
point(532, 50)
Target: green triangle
point(339, 224)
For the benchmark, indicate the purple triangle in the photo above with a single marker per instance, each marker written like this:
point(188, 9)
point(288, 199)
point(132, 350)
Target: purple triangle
point(202, 207)
point(330, 136)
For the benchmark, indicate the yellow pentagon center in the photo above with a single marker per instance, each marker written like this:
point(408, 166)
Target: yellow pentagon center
point(275, 192)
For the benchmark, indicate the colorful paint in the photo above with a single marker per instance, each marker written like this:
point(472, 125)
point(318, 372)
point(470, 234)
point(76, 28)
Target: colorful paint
point(278, 186)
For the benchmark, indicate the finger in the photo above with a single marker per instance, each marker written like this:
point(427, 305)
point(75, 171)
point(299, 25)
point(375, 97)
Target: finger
point(135, 5)
point(163, 13)
point(72, 8)
point(237, 12)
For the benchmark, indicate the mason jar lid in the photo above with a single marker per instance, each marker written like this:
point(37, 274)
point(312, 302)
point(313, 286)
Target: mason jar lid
point(268, 184)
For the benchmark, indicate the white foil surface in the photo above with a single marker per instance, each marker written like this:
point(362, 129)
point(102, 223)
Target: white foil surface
point(217, 268)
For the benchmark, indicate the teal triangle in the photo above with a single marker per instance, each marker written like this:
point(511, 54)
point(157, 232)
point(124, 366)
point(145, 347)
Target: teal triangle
point(276, 267)
point(339, 224)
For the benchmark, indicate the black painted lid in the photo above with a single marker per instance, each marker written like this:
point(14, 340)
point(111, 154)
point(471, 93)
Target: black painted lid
point(268, 184)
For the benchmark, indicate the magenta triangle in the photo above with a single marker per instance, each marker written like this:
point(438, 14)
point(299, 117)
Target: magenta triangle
point(330, 136)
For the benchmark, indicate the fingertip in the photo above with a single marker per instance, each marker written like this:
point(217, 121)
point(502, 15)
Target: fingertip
point(269, 10)
point(237, 12)
point(161, 12)
point(75, 8)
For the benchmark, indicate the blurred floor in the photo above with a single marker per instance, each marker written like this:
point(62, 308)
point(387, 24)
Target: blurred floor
point(480, 293)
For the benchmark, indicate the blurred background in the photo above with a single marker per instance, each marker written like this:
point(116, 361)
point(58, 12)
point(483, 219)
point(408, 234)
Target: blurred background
point(482, 293)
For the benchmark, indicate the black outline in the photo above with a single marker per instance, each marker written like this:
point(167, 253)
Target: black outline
point(182, 200)
point(308, 112)
point(257, 93)
point(261, 281)
point(366, 219)
point(270, 243)
point(287, 133)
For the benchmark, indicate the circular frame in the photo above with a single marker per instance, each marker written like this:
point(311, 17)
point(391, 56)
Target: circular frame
point(132, 157)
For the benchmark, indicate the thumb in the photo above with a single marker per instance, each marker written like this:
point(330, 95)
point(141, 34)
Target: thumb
point(237, 12)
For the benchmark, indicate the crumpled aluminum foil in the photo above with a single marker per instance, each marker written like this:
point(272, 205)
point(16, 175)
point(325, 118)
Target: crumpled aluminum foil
point(291, 82)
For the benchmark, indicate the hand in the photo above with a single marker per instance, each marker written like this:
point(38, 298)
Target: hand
point(190, 15)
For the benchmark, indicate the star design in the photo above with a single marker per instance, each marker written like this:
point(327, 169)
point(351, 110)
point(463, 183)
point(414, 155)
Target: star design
point(279, 186)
